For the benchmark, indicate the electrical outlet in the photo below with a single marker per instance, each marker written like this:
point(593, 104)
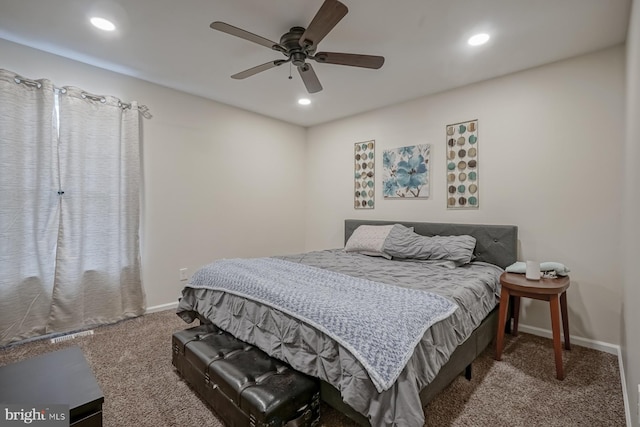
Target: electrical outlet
point(183, 274)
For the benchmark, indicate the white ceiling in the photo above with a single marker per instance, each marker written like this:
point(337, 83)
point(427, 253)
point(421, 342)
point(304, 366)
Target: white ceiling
point(169, 42)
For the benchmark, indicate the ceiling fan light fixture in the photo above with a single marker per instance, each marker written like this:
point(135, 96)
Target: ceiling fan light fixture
point(478, 39)
point(304, 101)
point(102, 23)
point(299, 45)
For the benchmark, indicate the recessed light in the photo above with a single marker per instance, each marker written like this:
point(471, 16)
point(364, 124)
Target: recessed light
point(304, 101)
point(103, 24)
point(478, 39)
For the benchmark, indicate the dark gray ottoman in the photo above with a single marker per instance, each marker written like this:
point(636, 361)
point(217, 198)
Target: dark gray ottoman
point(242, 384)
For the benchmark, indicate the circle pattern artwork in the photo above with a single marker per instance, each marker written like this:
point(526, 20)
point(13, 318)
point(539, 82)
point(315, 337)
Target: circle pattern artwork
point(364, 165)
point(462, 165)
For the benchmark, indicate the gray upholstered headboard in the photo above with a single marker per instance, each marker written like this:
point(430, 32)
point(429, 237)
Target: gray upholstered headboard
point(497, 244)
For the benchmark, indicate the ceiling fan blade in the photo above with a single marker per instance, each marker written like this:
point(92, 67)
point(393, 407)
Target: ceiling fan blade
point(239, 32)
point(257, 69)
point(351, 59)
point(310, 78)
point(330, 13)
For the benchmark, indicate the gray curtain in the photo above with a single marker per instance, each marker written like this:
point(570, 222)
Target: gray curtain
point(29, 210)
point(97, 277)
point(91, 182)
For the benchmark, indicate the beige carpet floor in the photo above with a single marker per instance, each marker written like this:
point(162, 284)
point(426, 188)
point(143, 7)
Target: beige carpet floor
point(132, 363)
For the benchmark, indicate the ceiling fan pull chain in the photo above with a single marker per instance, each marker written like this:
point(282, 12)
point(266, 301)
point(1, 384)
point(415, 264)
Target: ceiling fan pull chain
point(290, 76)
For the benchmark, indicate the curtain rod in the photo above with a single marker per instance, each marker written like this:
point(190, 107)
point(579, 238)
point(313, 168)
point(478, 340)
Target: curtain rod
point(27, 82)
point(143, 109)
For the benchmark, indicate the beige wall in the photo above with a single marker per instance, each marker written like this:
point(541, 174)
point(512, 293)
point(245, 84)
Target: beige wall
point(631, 207)
point(219, 181)
point(222, 182)
point(550, 156)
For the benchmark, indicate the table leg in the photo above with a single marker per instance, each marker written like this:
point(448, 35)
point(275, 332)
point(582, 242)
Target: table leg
point(555, 328)
point(565, 320)
point(502, 319)
point(516, 316)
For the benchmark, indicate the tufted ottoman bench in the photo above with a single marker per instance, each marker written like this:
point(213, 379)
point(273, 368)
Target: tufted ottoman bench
point(243, 385)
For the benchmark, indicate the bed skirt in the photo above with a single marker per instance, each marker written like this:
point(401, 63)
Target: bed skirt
point(461, 358)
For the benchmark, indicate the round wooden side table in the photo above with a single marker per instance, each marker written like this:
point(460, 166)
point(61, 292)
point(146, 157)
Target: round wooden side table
point(552, 290)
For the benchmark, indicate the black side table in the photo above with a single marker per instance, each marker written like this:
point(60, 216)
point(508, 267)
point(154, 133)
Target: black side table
point(60, 377)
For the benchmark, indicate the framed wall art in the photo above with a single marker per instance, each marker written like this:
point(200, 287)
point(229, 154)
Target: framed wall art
point(364, 164)
point(405, 173)
point(462, 165)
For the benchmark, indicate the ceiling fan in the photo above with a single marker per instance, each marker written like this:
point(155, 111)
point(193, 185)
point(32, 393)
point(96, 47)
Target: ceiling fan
point(300, 44)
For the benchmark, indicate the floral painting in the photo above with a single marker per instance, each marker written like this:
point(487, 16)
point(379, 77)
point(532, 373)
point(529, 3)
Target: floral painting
point(405, 172)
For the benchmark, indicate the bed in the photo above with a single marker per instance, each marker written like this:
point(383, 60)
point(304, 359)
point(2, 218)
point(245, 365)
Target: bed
point(351, 382)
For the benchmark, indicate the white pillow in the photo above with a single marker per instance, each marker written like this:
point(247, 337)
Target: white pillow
point(369, 240)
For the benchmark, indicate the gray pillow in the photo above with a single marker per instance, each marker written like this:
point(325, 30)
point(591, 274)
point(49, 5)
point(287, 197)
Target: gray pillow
point(403, 243)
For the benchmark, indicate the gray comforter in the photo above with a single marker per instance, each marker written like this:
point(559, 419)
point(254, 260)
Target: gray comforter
point(379, 324)
point(473, 288)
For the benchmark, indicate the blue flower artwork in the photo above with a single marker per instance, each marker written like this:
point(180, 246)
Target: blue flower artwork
point(405, 172)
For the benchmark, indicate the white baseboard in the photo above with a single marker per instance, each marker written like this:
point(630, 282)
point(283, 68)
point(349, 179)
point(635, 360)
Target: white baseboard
point(584, 342)
point(625, 395)
point(596, 345)
point(162, 307)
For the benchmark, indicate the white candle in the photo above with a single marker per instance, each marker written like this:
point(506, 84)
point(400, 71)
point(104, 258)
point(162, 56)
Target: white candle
point(533, 270)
